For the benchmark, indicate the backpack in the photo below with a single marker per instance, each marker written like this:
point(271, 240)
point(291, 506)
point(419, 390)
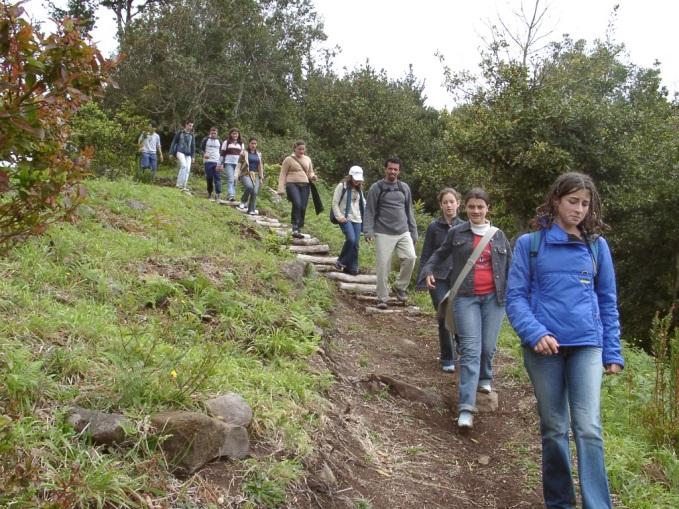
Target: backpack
point(536, 239)
point(380, 185)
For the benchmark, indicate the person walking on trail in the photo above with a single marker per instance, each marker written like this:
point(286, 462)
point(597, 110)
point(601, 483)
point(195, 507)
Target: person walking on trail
point(562, 303)
point(151, 151)
point(183, 147)
point(449, 202)
point(297, 171)
point(232, 148)
point(481, 256)
point(348, 205)
point(390, 221)
point(213, 167)
point(251, 173)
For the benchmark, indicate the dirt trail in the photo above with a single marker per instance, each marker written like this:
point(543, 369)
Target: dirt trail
point(378, 450)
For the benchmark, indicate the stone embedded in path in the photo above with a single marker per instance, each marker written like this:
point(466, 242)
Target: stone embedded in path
point(486, 403)
point(317, 249)
point(294, 270)
point(391, 301)
point(193, 439)
point(102, 427)
point(406, 390)
point(321, 260)
point(348, 278)
point(305, 242)
point(230, 408)
point(410, 310)
point(358, 287)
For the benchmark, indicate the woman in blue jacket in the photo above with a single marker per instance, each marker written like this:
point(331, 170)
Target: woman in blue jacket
point(561, 300)
point(449, 202)
point(479, 302)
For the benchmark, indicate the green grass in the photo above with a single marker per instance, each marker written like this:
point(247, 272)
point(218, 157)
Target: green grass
point(139, 311)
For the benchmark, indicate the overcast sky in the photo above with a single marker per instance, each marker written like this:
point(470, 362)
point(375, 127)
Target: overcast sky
point(392, 34)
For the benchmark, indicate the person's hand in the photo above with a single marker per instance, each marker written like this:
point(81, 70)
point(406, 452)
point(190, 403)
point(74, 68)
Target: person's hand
point(161, 158)
point(547, 345)
point(313, 179)
point(612, 369)
point(431, 281)
point(280, 193)
point(341, 219)
point(368, 238)
point(220, 167)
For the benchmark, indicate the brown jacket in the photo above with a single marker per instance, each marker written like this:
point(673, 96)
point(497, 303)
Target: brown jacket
point(295, 170)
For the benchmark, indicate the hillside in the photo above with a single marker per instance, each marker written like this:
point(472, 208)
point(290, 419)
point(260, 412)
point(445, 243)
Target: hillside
point(156, 300)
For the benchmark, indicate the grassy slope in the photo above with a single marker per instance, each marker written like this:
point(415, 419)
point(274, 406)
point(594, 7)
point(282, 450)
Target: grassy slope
point(142, 310)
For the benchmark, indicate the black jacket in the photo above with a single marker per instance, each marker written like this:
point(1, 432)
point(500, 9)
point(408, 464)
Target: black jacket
point(436, 234)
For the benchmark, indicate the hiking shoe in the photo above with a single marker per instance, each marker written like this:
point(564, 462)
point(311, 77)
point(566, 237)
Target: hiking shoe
point(253, 213)
point(256, 212)
point(242, 206)
point(297, 234)
point(231, 198)
point(400, 294)
point(448, 368)
point(465, 420)
point(382, 304)
point(339, 266)
point(485, 388)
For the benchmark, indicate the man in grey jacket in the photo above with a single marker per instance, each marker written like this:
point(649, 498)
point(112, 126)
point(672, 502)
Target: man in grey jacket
point(390, 221)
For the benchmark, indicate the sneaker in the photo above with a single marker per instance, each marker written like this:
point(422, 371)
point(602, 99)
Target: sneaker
point(382, 304)
point(231, 198)
point(209, 196)
point(242, 206)
point(253, 213)
point(400, 294)
point(465, 420)
point(485, 388)
point(339, 266)
point(448, 368)
point(186, 190)
point(352, 272)
point(256, 212)
point(296, 234)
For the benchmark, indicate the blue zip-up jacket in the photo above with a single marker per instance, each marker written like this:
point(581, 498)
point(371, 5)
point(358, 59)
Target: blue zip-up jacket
point(562, 298)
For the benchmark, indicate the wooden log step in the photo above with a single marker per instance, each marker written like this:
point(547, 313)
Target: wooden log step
point(269, 224)
point(348, 278)
point(391, 301)
point(323, 268)
point(409, 310)
point(318, 249)
point(230, 203)
point(306, 242)
point(320, 260)
point(358, 287)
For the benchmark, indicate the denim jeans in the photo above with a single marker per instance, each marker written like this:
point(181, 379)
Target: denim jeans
point(448, 353)
point(298, 195)
point(251, 186)
point(478, 320)
point(213, 178)
point(230, 172)
point(349, 254)
point(570, 383)
point(184, 170)
point(149, 160)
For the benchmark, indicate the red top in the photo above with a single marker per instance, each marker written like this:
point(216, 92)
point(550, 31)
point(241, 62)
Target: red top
point(483, 270)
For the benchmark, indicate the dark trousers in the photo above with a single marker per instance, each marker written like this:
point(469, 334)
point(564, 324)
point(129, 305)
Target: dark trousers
point(298, 196)
point(349, 254)
point(448, 353)
point(213, 178)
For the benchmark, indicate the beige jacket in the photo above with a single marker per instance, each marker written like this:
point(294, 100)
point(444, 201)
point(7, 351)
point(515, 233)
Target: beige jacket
point(295, 170)
point(243, 168)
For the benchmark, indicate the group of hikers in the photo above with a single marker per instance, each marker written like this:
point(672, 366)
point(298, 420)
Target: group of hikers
point(557, 287)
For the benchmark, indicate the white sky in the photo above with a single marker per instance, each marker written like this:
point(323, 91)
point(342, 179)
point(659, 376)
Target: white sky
point(392, 34)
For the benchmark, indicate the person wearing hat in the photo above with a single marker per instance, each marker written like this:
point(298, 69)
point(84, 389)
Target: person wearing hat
point(347, 208)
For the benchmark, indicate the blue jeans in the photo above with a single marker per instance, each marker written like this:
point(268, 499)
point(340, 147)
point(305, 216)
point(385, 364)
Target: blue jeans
point(478, 320)
point(298, 195)
point(149, 160)
point(213, 178)
point(251, 186)
point(448, 353)
point(230, 171)
point(570, 382)
point(349, 254)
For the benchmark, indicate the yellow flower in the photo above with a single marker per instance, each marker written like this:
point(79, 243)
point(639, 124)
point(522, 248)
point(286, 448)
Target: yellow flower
point(173, 374)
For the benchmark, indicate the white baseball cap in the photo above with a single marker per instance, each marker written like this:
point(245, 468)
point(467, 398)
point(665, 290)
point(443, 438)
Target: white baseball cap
point(356, 173)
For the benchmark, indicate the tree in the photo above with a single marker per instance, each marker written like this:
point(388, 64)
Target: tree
point(83, 10)
point(43, 81)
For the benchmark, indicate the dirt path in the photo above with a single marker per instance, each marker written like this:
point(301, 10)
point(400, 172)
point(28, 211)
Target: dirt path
point(378, 450)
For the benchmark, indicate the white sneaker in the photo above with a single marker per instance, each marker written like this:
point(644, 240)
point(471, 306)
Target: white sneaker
point(448, 368)
point(485, 388)
point(465, 420)
point(256, 212)
point(242, 206)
